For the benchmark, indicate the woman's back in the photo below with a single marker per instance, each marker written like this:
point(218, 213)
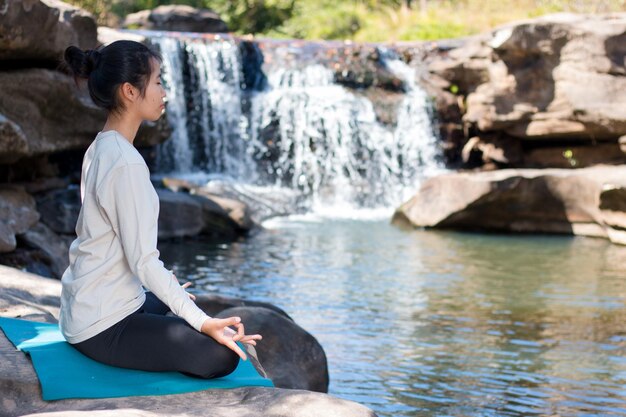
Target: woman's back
point(98, 279)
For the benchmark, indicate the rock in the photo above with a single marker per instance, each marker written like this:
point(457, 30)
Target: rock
point(465, 67)
point(213, 304)
point(503, 151)
point(41, 30)
point(31, 297)
point(28, 260)
point(12, 141)
point(544, 80)
point(522, 200)
point(185, 214)
point(44, 112)
point(262, 203)
point(385, 104)
point(554, 77)
point(179, 18)
point(223, 214)
point(180, 215)
point(107, 35)
point(42, 185)
point(51, 111)
point(294, 361)
point(55, 248)
point(216, 215)
point(580, 155)
point(60, 209)
point(17, 214)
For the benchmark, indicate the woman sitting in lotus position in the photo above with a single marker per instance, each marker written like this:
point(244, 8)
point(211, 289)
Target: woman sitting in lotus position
point(105, 312)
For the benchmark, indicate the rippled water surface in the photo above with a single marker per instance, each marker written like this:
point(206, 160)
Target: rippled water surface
point(426, 323)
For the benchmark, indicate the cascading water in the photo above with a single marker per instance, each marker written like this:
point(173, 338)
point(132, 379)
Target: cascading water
point(301, 131)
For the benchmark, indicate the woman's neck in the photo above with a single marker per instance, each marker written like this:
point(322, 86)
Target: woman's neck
point(124, 124)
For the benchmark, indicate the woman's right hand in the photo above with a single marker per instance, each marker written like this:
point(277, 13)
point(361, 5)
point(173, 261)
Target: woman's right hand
point(218, 329)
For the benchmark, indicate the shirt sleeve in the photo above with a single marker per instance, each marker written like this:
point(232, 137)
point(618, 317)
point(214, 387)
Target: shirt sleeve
point(132, 205)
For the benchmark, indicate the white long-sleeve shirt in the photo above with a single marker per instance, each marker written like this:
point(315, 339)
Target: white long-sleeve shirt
point(114, 255)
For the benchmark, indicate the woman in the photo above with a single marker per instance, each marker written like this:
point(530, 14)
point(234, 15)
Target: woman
point(105, 311)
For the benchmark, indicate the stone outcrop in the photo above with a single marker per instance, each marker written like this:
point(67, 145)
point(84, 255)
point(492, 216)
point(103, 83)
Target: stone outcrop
point(18, 213)
point(34, 298)
point(297, 361)
point(557, 78)
point(60, 208)
point(222, 213)
point(586, 202)
point(180, 18)
point(52, 114)
point(54, 248)
point(184, 214)
point(41, 30)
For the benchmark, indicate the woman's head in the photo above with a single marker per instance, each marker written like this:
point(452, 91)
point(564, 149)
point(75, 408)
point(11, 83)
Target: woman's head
point(117, 69)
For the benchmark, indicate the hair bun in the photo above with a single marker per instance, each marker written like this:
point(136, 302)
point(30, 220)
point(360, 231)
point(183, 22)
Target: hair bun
point(93, 57)
point(81, 63)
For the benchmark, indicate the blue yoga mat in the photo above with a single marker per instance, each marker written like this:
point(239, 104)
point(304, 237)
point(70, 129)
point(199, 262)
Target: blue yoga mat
point(64, 372)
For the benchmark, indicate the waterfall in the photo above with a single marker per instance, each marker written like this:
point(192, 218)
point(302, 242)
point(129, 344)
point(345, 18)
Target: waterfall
point(299, 130)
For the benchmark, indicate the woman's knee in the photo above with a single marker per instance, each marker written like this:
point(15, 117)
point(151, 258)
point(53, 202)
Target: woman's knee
point(223, 361)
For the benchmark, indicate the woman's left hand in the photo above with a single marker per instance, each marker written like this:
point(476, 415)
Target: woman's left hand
point(187, 285)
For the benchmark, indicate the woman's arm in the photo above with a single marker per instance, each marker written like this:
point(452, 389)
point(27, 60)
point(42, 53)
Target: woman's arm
point(131, 204)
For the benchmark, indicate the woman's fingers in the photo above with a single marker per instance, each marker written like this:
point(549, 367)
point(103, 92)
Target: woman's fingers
point(240, 332)
point(230, 321)
point(252, 337)
point(187, 284)
point(235, 347)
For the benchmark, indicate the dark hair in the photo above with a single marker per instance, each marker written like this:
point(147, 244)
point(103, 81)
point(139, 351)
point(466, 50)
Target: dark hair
point(108, 67)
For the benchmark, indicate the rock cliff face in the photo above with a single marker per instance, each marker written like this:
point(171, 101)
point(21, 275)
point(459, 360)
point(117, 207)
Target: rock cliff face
point(548, 92)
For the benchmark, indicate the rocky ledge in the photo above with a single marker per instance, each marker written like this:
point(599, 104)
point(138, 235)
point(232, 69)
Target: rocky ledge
point(36, 298)
point(585, 202)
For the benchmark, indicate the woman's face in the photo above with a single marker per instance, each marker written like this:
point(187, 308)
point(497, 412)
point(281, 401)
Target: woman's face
point(152, 104)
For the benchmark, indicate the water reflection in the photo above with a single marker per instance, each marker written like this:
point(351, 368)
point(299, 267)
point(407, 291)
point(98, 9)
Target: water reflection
point(440, 323)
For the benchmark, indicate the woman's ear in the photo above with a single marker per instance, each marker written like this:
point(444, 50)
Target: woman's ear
point(129, 92)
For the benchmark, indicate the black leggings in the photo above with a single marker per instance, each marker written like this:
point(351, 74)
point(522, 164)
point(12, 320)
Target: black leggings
point(151, 341)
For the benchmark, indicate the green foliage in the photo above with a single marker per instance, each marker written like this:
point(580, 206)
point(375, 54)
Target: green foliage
point(253, 16)
point(323, 19)
point(361, 20)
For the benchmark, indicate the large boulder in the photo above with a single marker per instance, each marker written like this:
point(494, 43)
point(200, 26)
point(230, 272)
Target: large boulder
point(53, 247)
point(18, 212)
point(179, 18)
point(528, 201)
point(223, 213)
point(60, 209)
point(291, 356)
point(180, 215)
point(51, 111)
point(13, 142)
point(31, 297)
point(42, 29)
